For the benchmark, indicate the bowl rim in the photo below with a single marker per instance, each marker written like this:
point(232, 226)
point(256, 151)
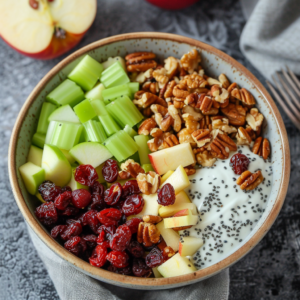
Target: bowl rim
point(136, 282)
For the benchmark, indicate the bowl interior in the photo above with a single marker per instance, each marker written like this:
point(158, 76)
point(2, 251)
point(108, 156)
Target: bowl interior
point(214, 63)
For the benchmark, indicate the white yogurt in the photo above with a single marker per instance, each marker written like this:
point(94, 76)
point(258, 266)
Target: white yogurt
point(227, 214)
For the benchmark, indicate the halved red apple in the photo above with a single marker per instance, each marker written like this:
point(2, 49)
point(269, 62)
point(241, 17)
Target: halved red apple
point(45, 29)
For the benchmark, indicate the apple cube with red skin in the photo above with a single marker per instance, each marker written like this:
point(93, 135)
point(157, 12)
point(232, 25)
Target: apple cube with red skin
point(171, 158)
point(181, 219)
point(45, 30)
point(189, 245)
point(172, 210)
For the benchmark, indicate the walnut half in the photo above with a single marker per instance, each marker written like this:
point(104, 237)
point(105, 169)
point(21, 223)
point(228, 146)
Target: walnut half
point(148, 183)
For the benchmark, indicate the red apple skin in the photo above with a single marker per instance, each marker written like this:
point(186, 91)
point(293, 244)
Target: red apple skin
point(172, 4)
point(182, 213)
point(56, 47)
point(152, 163)
point(180, 248)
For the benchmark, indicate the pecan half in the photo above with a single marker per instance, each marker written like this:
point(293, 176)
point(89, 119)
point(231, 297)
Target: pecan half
point(236, 114)
point(221, 95)
point(243, 137)
point(219, 122)
point(190, 123)
point(261, 147)
point(176, 117)
point(205, 158)
point(180, 91)
point(132, 167)
point(193, 112)
point(146, 126)
point(146, 100)
point(148, 183)
point(249, 181)
point(140, 61)
point(243, 95)
point(185, 136)
point(190, 61)
point(212, 81)
point(254, 119)
point(190, 170)
point(170, 141)
point(201, 137)
point(159, 142)
point(222, 145)
point(205, 123)
point(148, 234)
point(152, 219)
point(224, 81)
point(206, 104)
point(160, 75)
point(169, 90)
point(171, 65)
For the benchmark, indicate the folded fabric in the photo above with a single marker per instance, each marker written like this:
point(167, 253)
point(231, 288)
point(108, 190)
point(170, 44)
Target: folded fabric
point(71, 284)
point(270, 39)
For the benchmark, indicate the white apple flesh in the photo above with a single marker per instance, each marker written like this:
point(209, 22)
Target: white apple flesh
point(169, 235)
point(188, 245)
point(45, 29)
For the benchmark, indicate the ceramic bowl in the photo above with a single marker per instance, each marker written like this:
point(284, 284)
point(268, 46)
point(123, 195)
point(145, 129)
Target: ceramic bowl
point(163, 44)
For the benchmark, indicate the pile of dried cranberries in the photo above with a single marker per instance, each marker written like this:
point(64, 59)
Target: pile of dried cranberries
point(92, 223)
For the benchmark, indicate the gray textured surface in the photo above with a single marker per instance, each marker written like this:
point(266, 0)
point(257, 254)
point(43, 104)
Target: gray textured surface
point(270, 271)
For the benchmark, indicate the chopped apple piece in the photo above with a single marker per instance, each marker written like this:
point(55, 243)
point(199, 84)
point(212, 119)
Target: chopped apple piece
point(166, 176)
point(185, 220)
point(35, 155)
point(182, 197)
point(179, 180)
point(151, 206)
point(156, 273)
point(176, 266)
point(64, 114)
point(57, 167)
point(39, 196)
point(188, 245)
point(169, 235)
point(90, 153)
point(171, 210)
point(68, 156)
point(100, 175)
point(32, 176)
point(170, 158)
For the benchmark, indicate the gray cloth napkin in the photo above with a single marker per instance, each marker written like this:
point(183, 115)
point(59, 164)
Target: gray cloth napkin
point(271, 37)
point(71, 284)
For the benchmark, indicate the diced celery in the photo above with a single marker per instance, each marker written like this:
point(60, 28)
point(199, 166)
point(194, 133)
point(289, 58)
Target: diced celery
point(95, 93)
point(68, 92)
point(115, 92)
point(124, 112)
point(35, 155)
point(109, 124)
point(107, 101)
point(143, 149)
point(99, 107)
point(130, 131)
point(38, 140)
point(86, 73)
point(134, 87)
point(47, 109)
point(63, 135)
point(114, 75)
point(112, 60)
point(121, 145)
point(94, 131)
point(147, 167)
point(84, 111)
point(64, 114)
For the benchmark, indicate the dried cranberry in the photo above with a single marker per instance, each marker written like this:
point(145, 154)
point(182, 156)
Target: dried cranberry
point(73, 245)
point(121, 239)
point(49, 191)
point(83, 245)
point(133, 205)
point(140, 269)
point(166, 195)
point(122, 220)
point(106, 232)
point(118, 259)
point(98, 202)
point(104, 244)
point(154, 258)
point(133, 224)
point(122, 271)
point(109, 216)
point(65, 189)
point(58, 230)
point(84, 217)
point(72, 221)
point(63, 200)
point(239, 163)
point(110, 170)
point(81, 198)
point(72, 230)
point(93, 222)
point(97, 188)
point(47, 214)
point(136, 249)
point(85, 175)
point(98, 258)
point(130, 188)
point(90, 239)
point(70, 211)
point(114, 194)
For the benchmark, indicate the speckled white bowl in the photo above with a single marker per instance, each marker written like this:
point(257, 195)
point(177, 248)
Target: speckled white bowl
point(163, 44)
